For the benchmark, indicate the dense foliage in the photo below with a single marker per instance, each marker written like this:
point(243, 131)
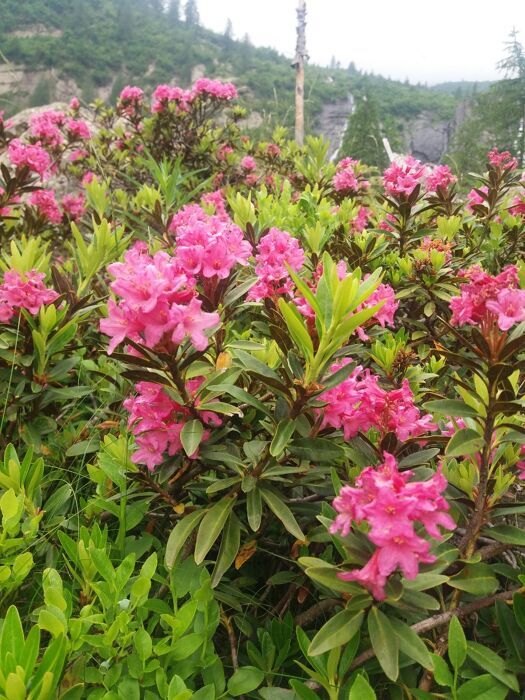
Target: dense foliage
point(262, 419)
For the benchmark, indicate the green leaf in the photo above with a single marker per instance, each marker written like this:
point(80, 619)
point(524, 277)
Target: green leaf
point(510, 631)
point(180, 534)
point(338, 631)
point(384, 642)
point(244, 680)
point(478, 579)
point(191, 436)
point(283, 433)
point(143, 644)
point(297, 328)
point(509, 534)
point(457, 644)
point(442, 672)
point(254, 508)
point(281, 510)
point(518, 605)
point(411, 644)
point(361, 689)
point(465, 442)
point(489, 661)
point(482, 688)
point(230, 541)
point(211, 526)
point(317, 450)
point(450, 407)
point(12, 636)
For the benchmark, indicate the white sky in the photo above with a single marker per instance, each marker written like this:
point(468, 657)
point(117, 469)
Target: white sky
point(416, 39)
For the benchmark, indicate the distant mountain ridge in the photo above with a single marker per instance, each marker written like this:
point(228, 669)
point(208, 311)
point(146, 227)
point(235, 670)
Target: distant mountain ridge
point(57, 48)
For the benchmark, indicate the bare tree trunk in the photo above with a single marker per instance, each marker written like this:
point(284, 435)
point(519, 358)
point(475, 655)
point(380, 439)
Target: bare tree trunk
point(298, 64)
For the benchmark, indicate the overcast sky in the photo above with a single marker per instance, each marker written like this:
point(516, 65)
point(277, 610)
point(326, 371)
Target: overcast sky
point(415, 39)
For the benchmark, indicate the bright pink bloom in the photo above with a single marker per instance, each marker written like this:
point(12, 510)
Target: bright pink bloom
point(191, 322)
point(248, 164)
point(390, 504)
point(360, 222)
point(74, 104)
point(31, 156)
point(439, 178)
point(273, 150)
point(73, 206)
point(474, 197)
point(503, 160)
point(46, 204)
point(403, 175)
point(345, 178)
point(472, 306)
point(518, 206)
point(275, 251)
point(45, 126)
point(204, 87)
point(509, 307)
point(78, 129)
point(25, 291)
point(384, 293)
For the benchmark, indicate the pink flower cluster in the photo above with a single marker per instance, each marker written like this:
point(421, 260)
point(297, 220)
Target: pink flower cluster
point(73, 206)
point(345, 178)
point(503, 160)
point(203, 88)
point(390, 505)
point(158, 303)
point(518, 206)
point(46, 127)
point(474, 197)
point(359, 404)
point(208, 245)
point(23, 291)
point(403, 175)
point(440, 177)
point(384, 315)
point(156, 421)
point(29, 155)
point(275, 251)
point(248, 164)
point(130, 100)
point(485, 297)
point(360, 222)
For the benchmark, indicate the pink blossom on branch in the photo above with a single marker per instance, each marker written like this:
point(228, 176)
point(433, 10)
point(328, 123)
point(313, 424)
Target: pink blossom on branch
point(275, 251)
point(391, 504)
point(31, 156)
point(47, 206)
point(403, 175)
point(24, 291)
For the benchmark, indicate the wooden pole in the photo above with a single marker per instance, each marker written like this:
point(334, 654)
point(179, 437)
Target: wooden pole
point(298, 64)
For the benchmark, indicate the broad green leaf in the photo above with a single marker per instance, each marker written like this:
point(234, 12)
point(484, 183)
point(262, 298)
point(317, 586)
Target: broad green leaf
point(283, 433)
point(518, 605)
point(211, 526)
point(478, 579)
point(442, 673)
point(254, 508)
point(317, 450)
point(482, 688)
point(191, 436)
point(509, 534)
point(450, 407)
point(457, 644)
point(281, 511)
point(338, 631)
point(361, 689)
point(244, 680)
point(465, 442)
point(230, 541)
point(180, 534)
point(384, 642)
point(411, 644)
point(297, 328)
point(510, 631)
point(489, 661)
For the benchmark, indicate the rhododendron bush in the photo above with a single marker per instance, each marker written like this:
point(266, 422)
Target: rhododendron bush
point(262, 427)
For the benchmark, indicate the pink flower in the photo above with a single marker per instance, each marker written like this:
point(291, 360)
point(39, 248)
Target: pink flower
point(45, 126)
point(248, 164)
point(25, 291)
point(384, 315)
point(88, 177)
point(480, 289)
point(74, 104)
point(390, 504)
point(503, 160)
point(74, 206)
point(518, 206)
point(164, 95)
point(275, 251)
point(509, 307)
point(78, 129)
point(204, 87)
point(44, 201)
point(273, 150)
point(345, 179)
point(474, 197)
point(440, 177)
point(190, 321)
point(31, 156)
point(360, 222)
point(403, 175)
